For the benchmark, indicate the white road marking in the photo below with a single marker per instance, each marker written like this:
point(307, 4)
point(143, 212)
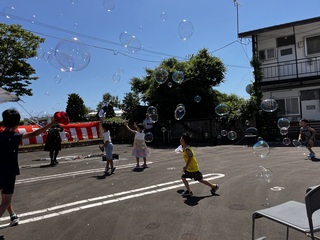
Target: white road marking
point(68, 174)
point(99, 201)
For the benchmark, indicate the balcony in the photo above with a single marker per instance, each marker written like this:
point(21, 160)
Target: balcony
point(300, 68)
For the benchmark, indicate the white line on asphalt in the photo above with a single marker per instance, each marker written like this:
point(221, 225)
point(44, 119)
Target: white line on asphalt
point(128, 195)
point(61, 175)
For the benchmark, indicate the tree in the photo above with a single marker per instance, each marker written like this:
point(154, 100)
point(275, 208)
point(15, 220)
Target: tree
point(201, 73)
point(109, 101)
point(130, 102)
point(16, 46)
point(76, 108)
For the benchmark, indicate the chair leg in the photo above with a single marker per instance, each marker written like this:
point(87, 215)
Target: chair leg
point(253, 225)
point(287, 233)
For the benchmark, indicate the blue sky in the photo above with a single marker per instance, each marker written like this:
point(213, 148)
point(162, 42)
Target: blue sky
point(155, 24)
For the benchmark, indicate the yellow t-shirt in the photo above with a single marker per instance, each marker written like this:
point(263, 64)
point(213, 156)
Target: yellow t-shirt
point(193, 166)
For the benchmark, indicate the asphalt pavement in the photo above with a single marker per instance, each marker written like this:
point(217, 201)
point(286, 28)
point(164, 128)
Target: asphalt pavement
point(73, 200)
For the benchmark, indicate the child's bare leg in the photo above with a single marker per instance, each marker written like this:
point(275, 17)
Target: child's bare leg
point(208, 183)
point(145, 161)
point(5, 203)
point(186, 184)
point(137, 161)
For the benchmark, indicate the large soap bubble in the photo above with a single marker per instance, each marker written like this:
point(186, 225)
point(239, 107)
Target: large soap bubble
point(261, 149)
point(283, 123)
point(72, 54)
point(185, 29)
point(252, 131)
point(161, 75)
point(269, 105)
point(222, 109)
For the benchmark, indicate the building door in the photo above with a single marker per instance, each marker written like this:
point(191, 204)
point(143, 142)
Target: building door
point(310, 109)
point(286, 61)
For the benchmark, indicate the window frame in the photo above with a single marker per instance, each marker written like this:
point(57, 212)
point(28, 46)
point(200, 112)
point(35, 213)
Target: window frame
point(285, 106)
point(306, 45)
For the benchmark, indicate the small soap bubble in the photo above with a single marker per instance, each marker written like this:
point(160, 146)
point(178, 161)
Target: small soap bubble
point(283, 131)
point(283, 123)
point(286, 141)
point(197, 99)
point(224, 133)
point(116, 77)
point(179, 112)
point(163, 16)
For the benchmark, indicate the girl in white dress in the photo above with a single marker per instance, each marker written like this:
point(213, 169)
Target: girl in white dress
point(140, 149)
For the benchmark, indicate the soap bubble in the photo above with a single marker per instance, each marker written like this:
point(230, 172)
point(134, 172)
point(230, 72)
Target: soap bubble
point(267, 175)
point(283, 131)
point(163, 129)
point(197, 98)
point(222, 109)
point(116, 77)
point(286, 141)
point(251, 131)
point(109, 5)
point(163, 16)
point(224, 133)
point(161, 75)
point(269, 105)
point(148, 137)
point(296, 143)
point(72, 54)
point(170, 84)
point(247, 122)
point(179, 112)
point(152, 110)
point(261, 149)
point(185, 29)
point(249, 89)
point(283, 123)
point(178, 77)
point(232, 135)
point(154, 117)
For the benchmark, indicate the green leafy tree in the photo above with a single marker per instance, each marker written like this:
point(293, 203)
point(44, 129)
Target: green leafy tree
point(110, 102)
point(75, 108)
point(16, 47)
point(201, 73)
point(130, 102)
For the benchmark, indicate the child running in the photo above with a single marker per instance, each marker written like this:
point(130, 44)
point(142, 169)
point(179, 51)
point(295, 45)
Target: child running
point(140, 149)
point(108, 147)
point(9, 167)
point(308, 133)
point(191, 169)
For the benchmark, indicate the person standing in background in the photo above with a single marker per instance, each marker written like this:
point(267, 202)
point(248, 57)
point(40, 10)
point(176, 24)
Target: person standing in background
point(53, 143)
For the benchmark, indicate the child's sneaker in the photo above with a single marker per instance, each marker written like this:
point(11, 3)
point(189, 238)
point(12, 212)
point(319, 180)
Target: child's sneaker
point(312, 155)
point(144, 165)
point(186, 193)
point(107, 171)
point(14, 219)
point(214, 190)
point(112, 170)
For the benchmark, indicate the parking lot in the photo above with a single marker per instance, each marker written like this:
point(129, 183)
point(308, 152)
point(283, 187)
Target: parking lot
point(74, 201)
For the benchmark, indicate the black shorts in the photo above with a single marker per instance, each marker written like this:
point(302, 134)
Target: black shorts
point(7, 184)
point(195, 175)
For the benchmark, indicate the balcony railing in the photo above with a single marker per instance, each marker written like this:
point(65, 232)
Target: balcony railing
point(300, 68)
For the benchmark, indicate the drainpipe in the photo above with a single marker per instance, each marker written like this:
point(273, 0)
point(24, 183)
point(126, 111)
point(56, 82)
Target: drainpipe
point(295, 50)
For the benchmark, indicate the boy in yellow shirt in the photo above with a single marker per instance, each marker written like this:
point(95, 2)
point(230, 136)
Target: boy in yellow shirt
point(191, 169)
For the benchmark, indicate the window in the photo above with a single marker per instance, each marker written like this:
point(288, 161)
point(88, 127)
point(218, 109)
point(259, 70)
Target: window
point(267, 54)
point(287, 51)
point(312, 45)
point(288, 106)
